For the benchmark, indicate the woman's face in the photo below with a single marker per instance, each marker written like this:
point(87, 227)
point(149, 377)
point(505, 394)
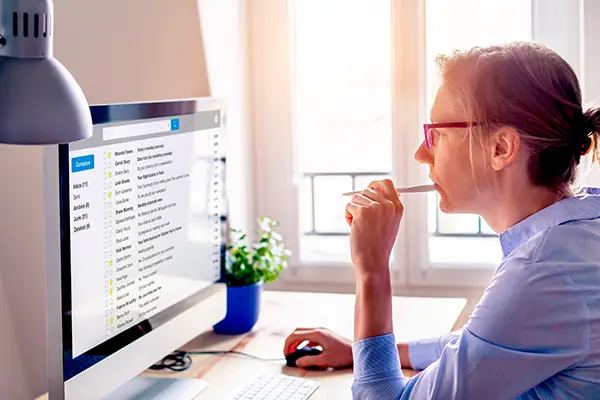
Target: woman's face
point(456, 166)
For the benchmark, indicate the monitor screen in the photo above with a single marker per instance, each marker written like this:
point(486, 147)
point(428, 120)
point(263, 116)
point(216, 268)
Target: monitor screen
point(142, 217)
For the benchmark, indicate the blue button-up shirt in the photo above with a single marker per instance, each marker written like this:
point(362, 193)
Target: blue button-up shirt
point(535, 333)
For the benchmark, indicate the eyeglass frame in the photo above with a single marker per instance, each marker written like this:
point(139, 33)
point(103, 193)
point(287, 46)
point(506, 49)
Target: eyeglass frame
point(428, 127)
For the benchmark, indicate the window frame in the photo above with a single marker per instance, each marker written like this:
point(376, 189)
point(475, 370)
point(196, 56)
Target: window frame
point(270, 24)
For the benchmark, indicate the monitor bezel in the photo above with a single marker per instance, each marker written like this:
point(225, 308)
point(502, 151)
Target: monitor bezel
point(103, 114)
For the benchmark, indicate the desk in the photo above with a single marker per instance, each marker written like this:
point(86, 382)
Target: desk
point(282, 312)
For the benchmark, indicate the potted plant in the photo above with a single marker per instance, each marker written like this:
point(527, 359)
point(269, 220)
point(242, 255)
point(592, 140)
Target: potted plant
point(248, 268)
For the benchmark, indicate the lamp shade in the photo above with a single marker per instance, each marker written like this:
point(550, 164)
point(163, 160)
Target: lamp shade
point(40, 101)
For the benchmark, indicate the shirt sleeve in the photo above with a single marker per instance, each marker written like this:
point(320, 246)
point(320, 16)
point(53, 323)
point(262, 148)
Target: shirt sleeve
point(531, 323)
point(424, 352)
point(377, 372)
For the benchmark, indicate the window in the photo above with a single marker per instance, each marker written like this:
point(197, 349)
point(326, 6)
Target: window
point(342, 94)
point(340, 91)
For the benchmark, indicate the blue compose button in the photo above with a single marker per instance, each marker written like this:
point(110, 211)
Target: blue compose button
point(175, 124)
point(82, 163)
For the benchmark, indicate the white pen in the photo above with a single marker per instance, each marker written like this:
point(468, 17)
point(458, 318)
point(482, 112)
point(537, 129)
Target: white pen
point(410, 189)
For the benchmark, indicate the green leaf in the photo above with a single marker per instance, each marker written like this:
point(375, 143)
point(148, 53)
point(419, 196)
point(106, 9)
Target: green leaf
point(250, 263)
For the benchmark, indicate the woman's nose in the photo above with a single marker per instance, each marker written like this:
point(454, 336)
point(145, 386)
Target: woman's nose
point(423, 154)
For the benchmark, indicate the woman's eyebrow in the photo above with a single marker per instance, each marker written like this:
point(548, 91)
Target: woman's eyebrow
point(437, 116)
point(437, 120)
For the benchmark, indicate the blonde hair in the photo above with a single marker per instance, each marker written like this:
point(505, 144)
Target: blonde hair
point(530, 88)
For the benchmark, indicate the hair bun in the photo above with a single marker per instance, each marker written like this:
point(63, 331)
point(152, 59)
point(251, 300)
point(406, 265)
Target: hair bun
point(587, 146)
point(591, 120)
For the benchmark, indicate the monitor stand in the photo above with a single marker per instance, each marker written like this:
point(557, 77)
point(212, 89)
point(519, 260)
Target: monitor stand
point(146, 387)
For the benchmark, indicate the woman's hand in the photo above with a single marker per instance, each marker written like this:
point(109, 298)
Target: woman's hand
point(374, 217)
point(337, 351)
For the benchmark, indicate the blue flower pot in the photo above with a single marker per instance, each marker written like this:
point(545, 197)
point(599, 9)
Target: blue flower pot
point(243, 309)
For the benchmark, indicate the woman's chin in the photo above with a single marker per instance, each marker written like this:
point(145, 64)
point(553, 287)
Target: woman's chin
point(446, 206)
point(449, 207)
point(443, 203)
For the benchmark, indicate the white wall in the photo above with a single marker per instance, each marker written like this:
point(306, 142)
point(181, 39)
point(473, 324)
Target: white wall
point(12, 375)
point(119, 51)
point(134, 50)
point(22, 272)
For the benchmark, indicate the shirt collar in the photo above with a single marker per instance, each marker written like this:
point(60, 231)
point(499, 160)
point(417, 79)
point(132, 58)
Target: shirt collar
point(585, 205)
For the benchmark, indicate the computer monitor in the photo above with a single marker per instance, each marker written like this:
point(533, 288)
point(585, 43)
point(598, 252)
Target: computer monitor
point(137, 269)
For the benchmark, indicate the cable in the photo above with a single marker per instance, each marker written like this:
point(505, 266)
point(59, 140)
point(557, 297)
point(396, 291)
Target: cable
point(177, 361)
point(180, 360)
point(239, 353)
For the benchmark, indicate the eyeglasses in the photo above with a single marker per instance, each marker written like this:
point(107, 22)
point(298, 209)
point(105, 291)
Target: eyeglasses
point(429, 128)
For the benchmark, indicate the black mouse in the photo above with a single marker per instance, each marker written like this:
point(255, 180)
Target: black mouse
point(292, 357)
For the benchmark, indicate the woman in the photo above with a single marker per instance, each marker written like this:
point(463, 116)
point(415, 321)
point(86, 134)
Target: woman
point(507, 133)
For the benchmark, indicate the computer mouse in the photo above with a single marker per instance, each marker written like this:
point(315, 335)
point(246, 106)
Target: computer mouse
point(292, 357)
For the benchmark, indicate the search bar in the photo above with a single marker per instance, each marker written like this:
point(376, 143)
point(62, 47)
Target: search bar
point(141, 129)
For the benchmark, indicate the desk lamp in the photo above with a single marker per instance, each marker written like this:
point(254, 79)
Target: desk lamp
point(40, 101)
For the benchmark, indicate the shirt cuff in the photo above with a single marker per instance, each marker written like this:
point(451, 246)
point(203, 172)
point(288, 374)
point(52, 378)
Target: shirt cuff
point(424, 352)
point(376, 358)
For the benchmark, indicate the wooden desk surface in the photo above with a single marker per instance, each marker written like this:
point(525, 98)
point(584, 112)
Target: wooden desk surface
point(284, 311)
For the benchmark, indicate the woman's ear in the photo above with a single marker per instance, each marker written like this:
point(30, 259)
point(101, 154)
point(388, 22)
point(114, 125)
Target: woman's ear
point(505, 146)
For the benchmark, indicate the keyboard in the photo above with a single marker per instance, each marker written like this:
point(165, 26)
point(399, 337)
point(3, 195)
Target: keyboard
point(276, 387)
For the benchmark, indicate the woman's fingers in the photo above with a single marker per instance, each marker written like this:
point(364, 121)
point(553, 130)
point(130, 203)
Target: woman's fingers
point(319, 361)
point(373, 195)
point(357, 201)
point(361, 199)
point(298, 336)
point(370, 196)
point(388, 190)
point(349, 214)
point(374, 217)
